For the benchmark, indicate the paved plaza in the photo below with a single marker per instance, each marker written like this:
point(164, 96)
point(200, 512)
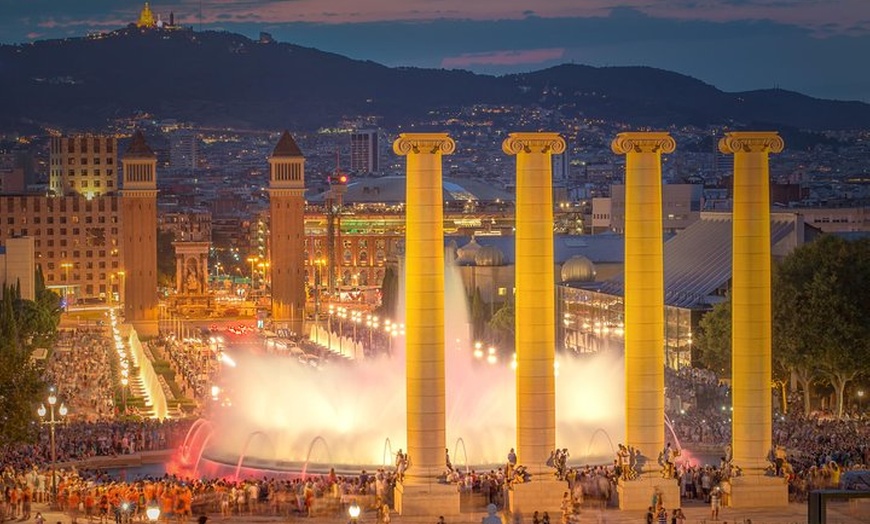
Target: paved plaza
point(855, 512)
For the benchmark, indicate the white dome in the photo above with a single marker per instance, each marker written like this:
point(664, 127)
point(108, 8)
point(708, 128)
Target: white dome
point(489, 256)
point(465, 254)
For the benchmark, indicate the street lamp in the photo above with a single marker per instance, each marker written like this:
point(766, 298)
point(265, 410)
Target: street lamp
point(66, 266)
point(356, 317)
point(341, 312)
point(373, 323)
point(318, 269)
point(252, 260)
point(860, 400)
point(353, 512)
point(121, 275)
point(124, 383)
point(153, 511)
point(51, 422)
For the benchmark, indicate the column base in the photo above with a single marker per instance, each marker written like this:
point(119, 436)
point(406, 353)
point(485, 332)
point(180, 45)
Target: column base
point(758, 491)
point(638, 494)
point(541, 494)
point(426, 500)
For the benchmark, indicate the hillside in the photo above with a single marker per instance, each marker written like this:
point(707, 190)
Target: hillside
point(214, 78)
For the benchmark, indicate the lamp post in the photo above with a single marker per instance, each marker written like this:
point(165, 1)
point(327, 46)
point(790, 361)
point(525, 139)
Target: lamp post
point(51, 422)
point(341, 312)
point(66, 266)
point(124, 383)
point(372, 322)
point(153, 511)
point(318, 272)
point(860, 400)
point(356, 318)
point(329, 325)
point(252, 260)
point(353, 512)
point(121, 275)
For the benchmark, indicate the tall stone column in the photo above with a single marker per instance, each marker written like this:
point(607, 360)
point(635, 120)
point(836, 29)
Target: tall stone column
point(751, 318)
point(644, 314)
point(535, 311)
point(420, 493)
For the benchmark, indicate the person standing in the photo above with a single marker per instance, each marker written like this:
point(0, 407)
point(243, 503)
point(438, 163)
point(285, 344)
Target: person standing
point(714, 504)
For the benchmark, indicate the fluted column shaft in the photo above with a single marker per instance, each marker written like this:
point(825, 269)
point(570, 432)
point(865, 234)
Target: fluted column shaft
point(644, 291)
point(424, 301)
point(535, 295)
point(750, 297)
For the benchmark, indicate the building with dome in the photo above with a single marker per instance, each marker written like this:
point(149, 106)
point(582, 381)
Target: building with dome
point(146, 17)
point(697, 272)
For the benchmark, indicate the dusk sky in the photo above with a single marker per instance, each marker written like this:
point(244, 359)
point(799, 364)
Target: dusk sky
point(817, 47)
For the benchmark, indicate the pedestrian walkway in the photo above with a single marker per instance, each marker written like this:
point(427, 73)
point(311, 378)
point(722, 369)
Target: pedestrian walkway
point(854, 512)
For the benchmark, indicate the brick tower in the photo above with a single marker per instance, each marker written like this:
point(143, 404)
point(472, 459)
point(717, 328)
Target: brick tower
point(139, 242)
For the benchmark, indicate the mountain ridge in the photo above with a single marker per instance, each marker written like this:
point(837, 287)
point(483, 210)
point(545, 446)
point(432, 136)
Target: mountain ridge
point(220, 78)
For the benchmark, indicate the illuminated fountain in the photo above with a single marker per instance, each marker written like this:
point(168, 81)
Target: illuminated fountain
point(288, 417)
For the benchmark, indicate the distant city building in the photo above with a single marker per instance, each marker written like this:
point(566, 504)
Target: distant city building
point(183, 147)
point(17, 265)
point(75, 239)
point(192, 225)
point(365, 151)
point(560, 167)
point(697, 273)
point(601, 219)
point(13, 173)
point(836, 219)
point(83, 165)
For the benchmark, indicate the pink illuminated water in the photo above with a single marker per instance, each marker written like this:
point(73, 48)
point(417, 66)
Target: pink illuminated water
point(341, 415)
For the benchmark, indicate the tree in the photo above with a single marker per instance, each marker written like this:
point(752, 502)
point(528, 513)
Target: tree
point(20, 387)
point(501, 327)
point(478, 314)
point(713, 342)
point(389, 294)
point(820, 312)
point(165, 259)
point(24, 325)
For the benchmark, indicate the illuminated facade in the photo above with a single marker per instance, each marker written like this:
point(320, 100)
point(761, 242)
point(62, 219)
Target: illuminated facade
point(751, 319)
point(83, 165)
point(76, 241)
point(644, 314)
point(139, 236)
point(287, 233)
point(535, 305)
point(420, 493)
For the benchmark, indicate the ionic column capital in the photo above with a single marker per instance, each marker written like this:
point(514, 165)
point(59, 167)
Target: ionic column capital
point(424, 143)
point(643, 142)
point(751, 142)
point(517, 143)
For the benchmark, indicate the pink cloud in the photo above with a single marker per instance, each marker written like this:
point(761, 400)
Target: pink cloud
point(807, 13)
point(507, 57)
point(33, 35)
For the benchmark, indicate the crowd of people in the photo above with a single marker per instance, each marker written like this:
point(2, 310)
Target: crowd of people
point(192, 362)
point(810, 452)
point(81, 370)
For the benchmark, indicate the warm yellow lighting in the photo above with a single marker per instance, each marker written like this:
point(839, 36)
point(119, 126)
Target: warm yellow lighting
point(354, 510)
